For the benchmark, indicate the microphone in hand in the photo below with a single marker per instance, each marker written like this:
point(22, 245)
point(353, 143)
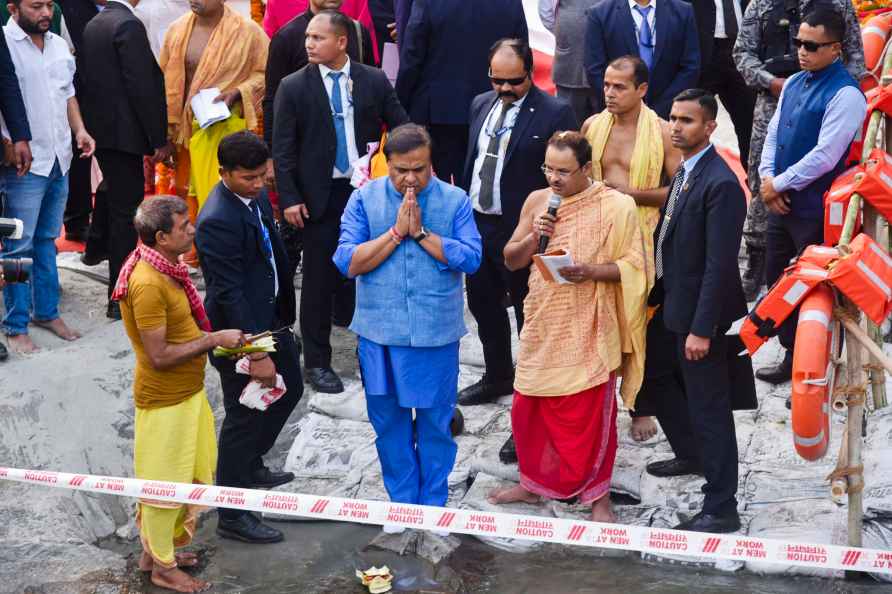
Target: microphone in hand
point(553, 204)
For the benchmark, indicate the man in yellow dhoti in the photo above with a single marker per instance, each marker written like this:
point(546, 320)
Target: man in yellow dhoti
point(174, 437)
point(576, 338)
point(632, 153)
point(211, 47)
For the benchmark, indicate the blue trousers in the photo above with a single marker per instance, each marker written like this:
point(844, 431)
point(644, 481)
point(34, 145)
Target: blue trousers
point(416, 455)
point(40, 202)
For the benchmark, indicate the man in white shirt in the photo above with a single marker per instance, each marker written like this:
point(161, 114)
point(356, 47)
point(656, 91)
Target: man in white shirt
point(45, 70)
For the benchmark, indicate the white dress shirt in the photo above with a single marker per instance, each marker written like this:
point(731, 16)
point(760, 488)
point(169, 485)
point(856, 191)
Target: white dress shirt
point(47, 82)
point(486, 133)
point(651, 19)
point(720, 18)
point(347, 103)
point(247, 202)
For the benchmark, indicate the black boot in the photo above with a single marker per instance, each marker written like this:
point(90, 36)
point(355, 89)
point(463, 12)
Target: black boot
point(777, 374)
point(754, 276)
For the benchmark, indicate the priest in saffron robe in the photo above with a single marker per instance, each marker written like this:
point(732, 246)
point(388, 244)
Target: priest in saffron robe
point(408, 239)
point(576, 339)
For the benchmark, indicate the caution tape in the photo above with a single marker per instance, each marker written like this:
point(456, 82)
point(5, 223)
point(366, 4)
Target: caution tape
point(657, 541)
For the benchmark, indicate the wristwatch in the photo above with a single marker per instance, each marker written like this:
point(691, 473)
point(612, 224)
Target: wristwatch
point(421, 236)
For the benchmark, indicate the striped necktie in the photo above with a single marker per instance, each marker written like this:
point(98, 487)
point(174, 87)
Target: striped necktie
point(670, 207)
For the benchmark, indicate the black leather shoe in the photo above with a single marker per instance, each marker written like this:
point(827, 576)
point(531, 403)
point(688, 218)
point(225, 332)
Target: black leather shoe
point(325, 380)
point(91, 259)
point(508, 453)
point(4, 354)
point(247, 528)
point(485, 391)
point(267, 479)
point(674, 467)
point(458, 422)
point(114, 311)
point(777, 374)
point(714, 523)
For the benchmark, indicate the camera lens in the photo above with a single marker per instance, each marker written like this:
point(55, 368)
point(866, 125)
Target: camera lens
point(15, 270)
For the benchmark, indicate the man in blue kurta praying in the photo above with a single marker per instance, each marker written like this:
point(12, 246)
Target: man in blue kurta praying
point(407, 239)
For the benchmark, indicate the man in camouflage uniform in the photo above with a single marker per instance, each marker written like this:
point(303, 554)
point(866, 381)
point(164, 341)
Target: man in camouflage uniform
point(765, 57)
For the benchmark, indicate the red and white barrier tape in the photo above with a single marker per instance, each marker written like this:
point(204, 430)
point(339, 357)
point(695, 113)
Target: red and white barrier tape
point(557, 530)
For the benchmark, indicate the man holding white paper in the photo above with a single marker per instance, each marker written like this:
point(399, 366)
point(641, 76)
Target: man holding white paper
point(575, 340)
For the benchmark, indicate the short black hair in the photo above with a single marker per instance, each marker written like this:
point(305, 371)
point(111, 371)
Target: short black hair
point(832, 21)
point(640, 72)
point(338, 21)
point(576, 142)
point(520, 47)
point(405, 139)
point(156, 214)
point(242, 150)
point(706, 100)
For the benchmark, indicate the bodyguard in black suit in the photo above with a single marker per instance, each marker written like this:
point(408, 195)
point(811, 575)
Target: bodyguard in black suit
point(515, 120)
point(699, 292)
point(322, 125)
point(124, 108)
point(250, 287)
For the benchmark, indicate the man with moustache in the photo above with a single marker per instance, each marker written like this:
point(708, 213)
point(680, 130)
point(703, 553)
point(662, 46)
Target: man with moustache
point(575, 340)
point(212, 46)
point(509, 128)
point(632, 153)
point(699, 294)
point(326, 114)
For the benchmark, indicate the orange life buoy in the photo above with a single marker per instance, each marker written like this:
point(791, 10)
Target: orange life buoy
point(816, 340)
point(874, 35)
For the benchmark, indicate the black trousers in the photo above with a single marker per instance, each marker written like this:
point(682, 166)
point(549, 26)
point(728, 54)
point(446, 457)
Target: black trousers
point(450, 148)
point(321, 279)
point(692, 401)
point(722, 78)
point(111, 230)
point(785, 238)
point(248, 434)
point(486, 292)
point(79, 204)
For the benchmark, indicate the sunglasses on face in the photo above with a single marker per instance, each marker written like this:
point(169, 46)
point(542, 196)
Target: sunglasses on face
point(511, 81)
point(810, 46)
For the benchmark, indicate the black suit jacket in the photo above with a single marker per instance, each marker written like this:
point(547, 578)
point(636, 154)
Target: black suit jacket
point(704, 14)
point(124, 104)
point(702, 292)
point(77, 14)
point(304, 141)
point(443, 55)
point(288, 54)
point(12, 106)
point(240, 282)
point(541, 115)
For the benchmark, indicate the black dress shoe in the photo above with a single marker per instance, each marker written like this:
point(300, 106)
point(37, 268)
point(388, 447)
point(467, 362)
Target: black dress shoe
point(247, 528)
point(714, 523)
point(485, 391)
point(93, 259)
point(267, 479)
point(674, 467)
point(4, 354)
point(777, 374)
point(325, 380)
point(457, 425)
point(508, 453)
point(114, 311)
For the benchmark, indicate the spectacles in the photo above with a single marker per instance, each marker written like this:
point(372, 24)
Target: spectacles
point(511, 81)
point(559, 173)
point(811, 46)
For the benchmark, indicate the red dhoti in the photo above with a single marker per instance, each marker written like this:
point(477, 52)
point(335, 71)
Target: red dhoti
point(566, 445)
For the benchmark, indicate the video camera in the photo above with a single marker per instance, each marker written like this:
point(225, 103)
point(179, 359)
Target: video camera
point(13, 270)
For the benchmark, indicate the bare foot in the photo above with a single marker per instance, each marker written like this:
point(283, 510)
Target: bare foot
point(602, 512)
point(146, 563)
point(513, 494)
point(59, 328)
point(643, 428)
point(178, 580)
point(22, 343)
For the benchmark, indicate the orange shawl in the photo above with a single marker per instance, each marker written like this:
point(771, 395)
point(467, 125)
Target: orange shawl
point(235, 58)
